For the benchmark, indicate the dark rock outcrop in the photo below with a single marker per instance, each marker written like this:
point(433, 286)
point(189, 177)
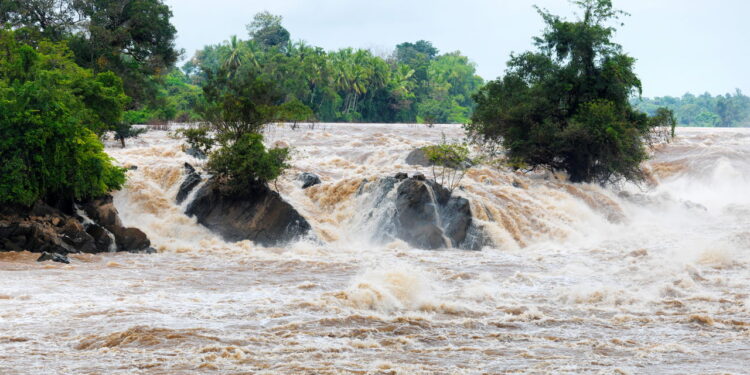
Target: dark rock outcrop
point(401, 176)
point(258, 214)
point(424, 214)
point(418, 157)
point(102, 212)
point(55, 257)
point(44, 228)
point(308, 179)
point(192, 179)
point(195, 153)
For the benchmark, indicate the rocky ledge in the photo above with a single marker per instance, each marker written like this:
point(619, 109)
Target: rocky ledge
point(84, 227)
point(258, 213)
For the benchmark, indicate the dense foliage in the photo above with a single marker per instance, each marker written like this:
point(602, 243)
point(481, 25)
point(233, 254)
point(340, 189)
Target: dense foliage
point(239, 103)
point(566, 106)
point(50, 111)
point(704, 110)
point(413, 84)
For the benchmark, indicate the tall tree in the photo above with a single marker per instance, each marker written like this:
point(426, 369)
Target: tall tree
point(133, 38)
point(566, 106)
point(266, 30)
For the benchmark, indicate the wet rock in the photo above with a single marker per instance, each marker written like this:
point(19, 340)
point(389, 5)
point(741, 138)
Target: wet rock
point(418, 157)
point(132, 168)
point(195, 153)
point(192, 180)
point(59, 258)
point(401, 176)
point(130, 239)
point(102, 211)
point(18, 234)
point(102, 237)
point(424, 214)
point(44, 228)
point(419, 177)
point(258, 214)
point(74, 234)
point(308, 179)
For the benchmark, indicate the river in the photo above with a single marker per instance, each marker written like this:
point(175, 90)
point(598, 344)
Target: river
point(650, 279)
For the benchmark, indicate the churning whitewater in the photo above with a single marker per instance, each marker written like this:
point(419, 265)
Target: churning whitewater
point(581, 279)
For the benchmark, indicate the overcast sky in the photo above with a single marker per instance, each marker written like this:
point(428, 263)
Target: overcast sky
point(681, 45)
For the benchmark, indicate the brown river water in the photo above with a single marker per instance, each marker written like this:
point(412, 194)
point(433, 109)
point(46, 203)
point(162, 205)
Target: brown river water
point(583, 280)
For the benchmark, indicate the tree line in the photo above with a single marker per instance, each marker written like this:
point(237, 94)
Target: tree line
point(729, 110)
point(413, 84)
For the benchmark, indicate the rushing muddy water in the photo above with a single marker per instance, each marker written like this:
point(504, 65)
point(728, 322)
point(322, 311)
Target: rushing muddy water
point(652, 280)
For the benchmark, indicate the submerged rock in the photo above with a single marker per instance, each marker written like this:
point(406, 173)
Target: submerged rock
point(59, 258)
point(192, 180)
point(258, 214)
point(308, 179)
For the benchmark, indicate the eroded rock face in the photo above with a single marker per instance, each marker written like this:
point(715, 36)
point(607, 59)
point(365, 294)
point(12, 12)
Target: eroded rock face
point(43, 228)
point(102, 212)
point(424, 214)
point(258, 214)
point(192, 179)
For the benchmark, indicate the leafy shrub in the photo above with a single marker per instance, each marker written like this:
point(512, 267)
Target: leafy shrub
point(198, 138)
point(449, 163)
point(246, 162)
point(50, 110)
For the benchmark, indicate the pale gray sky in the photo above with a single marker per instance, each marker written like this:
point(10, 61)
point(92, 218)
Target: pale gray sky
point(681, 45)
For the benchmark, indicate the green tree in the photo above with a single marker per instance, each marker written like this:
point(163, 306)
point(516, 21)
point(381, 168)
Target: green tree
point(49, 110)
point(566, 106)
point(295, 111)
point(239, 104)
point(133, 38)
point(267, 31)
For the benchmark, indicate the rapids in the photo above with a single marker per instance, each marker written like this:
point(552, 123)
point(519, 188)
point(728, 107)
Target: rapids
point(629, 280)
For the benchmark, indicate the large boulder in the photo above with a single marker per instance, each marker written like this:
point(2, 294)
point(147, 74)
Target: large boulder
point(422, 213)
point(102, 212)
point(258, 214)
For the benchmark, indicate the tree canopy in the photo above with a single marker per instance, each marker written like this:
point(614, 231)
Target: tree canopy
point(50, 109)
point(566, 105)
point(413, 84)
point(133, 38)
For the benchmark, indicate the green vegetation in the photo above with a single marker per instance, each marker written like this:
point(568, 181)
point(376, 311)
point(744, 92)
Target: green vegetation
point(50, 112)
point(132, 38)
point(245, 162)
point(239, 103)
point(415, 84)
point(449, 163)
point(704, 110)
point(566, 106)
